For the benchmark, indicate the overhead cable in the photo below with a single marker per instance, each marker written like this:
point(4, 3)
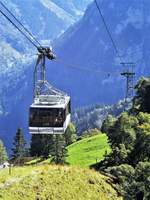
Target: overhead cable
point(77, 67)
point(20, 24)
point(107, 29)
point(18, 28)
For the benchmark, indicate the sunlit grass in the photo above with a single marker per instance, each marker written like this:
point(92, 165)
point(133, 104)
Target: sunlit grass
point(14, 172)
point(88, 151)
point(43, 181)
point(54, 183)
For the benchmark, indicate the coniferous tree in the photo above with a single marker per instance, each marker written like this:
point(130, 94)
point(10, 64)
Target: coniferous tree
point(41, 145)
point(36, 145)
point(3, 153)
point(19, 146)
point(142, 97)
point(70, 134)
point(49, 145)
point(59, 150)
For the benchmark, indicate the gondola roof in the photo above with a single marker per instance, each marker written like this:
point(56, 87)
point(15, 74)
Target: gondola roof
point(50, 101)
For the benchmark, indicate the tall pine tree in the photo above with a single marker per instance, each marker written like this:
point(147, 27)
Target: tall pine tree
point(3, 153)
point(70, 134)
point(41, 145)
point(49, 145)
point(59, 149)
point(19, 146)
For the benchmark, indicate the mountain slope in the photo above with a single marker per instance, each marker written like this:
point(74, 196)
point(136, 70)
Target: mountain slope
point(55, 182)
point(46, 20)
point(89, 150)
point(91, 117)
point(87, 45)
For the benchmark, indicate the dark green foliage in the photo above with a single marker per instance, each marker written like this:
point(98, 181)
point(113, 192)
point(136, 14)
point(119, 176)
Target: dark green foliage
point(129, 135)
point(53, 145)
point(108, 124)
point(118, 156)
point(122, 134)
point(41, 145)
point(59, 151)
point(141, 151)
point(19, 146)
point(49, 145)
point(134, 182)
point(142, 176)
point(123, 131)
point(130, 158)
point(130, 138)
point(36, 145)
point(3, 153)
point(70, 134)
point(141, 102)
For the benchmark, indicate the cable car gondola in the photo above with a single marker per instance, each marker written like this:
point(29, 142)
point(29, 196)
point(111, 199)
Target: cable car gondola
point(50, 111)
point(49, 114)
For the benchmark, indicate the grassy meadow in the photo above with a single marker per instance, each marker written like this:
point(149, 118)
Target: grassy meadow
point(88, 151)
point(39, 180)
point(49, 182)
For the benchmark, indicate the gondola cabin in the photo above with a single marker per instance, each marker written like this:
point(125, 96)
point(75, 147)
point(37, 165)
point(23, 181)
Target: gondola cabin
point(49, 114)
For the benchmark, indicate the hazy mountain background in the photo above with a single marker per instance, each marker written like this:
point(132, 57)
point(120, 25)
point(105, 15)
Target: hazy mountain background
point(47, 20)
point(84, 43)
point(87, 44)
point(92, 117)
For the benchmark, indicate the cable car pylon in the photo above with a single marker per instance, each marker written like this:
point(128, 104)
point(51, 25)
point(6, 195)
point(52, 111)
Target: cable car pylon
point(129, 74)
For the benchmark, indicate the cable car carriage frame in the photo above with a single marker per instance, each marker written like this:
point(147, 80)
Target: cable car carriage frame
point(50, 112)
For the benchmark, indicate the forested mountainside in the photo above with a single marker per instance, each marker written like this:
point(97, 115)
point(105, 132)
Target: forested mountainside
point(91, 117)
point(46, 20)
point(88, 45)
point(85, 44)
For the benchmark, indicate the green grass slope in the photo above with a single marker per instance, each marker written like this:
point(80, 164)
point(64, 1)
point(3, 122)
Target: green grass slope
point(86, 151)
point(55, 183)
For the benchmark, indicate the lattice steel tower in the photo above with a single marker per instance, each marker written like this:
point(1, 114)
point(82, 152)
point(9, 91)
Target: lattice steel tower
point(129, 74)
